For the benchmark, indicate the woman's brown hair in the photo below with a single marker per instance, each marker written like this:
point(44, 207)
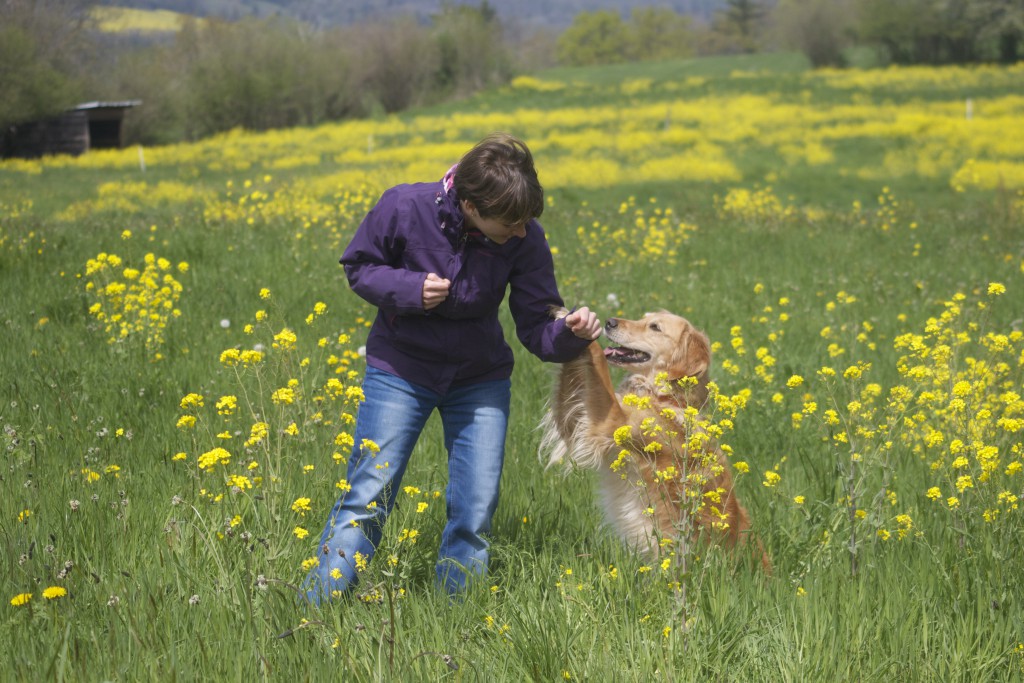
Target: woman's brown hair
point(499, 178)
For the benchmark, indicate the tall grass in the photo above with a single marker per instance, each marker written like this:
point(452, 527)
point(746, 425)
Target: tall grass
point(176, 565)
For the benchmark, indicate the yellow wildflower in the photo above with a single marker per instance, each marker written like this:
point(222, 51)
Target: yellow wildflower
point(21, 599)
point(54, 592)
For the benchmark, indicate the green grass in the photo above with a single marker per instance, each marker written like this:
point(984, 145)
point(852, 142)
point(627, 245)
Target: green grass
point(943, 604)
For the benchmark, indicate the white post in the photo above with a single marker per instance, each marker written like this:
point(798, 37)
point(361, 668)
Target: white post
point(970, 109)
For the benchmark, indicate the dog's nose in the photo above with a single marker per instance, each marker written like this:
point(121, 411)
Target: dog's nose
point(611, 324)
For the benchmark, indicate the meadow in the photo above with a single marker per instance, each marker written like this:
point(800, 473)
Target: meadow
point(181, 364)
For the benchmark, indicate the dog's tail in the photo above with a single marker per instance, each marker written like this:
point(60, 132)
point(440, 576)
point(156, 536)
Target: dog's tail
point(552, 449)
point(561, 427)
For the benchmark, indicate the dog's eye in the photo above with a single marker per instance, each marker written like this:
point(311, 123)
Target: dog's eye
point(656, 327)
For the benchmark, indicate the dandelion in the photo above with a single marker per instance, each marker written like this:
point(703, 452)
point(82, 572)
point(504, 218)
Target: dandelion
point(54, 593)
point(21, 599)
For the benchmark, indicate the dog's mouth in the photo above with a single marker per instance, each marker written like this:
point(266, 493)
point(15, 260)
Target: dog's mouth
point(624, 355)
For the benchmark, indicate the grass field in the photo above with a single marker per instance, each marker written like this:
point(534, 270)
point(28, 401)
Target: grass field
point(180, 371)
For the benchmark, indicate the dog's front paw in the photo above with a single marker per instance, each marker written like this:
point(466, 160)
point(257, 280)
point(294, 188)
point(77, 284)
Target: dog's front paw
point(558, 312)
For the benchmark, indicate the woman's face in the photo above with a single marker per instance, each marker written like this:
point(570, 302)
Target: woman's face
point(492, 228)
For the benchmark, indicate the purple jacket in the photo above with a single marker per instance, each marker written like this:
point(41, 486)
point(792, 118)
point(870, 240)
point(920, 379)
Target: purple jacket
point(416, 229)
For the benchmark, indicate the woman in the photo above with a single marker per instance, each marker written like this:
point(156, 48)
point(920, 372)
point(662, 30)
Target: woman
point(436, 259)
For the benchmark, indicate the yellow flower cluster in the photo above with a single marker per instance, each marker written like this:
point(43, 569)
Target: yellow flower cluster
point(757, 205)
point(132, 303)
point(298, 397)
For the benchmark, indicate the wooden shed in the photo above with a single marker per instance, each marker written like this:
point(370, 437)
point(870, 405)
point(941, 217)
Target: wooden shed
point(92, 125)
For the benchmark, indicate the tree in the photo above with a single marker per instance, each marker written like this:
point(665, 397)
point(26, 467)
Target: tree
point(41, 44)
point(943, 31)
point(657, 34)
point(1001, 24)
point(394, 64)
point(599, 37)
point(743, 17)
point(472, 50)
point(821, 29)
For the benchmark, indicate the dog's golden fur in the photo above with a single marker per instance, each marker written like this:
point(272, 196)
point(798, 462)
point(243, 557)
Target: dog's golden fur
point(662, 475)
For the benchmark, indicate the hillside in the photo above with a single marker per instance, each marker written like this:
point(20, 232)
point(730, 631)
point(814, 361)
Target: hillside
point(531, 13)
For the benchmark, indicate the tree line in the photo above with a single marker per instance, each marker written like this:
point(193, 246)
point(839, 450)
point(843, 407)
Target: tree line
point(826, 31)
point(259, 73)
point(213, 75)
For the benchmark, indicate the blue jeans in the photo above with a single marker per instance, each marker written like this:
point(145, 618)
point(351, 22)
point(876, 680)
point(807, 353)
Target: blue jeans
point(475, 419)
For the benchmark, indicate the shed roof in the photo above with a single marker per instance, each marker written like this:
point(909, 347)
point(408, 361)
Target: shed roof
point(123, 104)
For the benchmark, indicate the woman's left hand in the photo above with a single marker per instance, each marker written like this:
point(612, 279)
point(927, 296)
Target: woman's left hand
point(584, 323)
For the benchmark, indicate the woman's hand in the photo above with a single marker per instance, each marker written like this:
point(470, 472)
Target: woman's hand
point(584, 323)
point(435, 291)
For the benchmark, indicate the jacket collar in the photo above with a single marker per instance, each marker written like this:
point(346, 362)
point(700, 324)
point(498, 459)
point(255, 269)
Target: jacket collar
point(449, 213)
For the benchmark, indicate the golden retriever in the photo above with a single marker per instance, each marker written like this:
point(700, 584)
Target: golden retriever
point(663, 477)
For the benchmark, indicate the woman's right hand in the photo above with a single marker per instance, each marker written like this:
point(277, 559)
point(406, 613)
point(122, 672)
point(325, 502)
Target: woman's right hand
point(435, 291)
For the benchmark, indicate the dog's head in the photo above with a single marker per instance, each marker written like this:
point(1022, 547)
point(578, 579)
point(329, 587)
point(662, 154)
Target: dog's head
point(661, 342)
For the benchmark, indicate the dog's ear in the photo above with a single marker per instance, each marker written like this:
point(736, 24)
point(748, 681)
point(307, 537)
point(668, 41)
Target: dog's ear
point(693, 359)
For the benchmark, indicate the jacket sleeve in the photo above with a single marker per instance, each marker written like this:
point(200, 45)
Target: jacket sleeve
point(532, 294)
point(373, 261)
